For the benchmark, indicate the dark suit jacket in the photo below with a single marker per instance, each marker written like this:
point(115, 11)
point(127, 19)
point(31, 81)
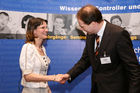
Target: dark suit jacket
point(119, 76)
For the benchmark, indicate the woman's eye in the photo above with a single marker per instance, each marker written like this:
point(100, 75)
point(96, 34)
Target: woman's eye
point(43, 27)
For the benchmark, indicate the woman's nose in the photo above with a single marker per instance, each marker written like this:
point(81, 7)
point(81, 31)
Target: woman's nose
point(46, 29)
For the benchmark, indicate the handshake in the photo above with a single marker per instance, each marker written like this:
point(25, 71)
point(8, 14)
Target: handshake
point(61, 78)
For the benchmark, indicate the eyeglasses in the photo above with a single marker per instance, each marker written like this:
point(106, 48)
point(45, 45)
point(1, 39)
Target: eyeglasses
point(44, 28)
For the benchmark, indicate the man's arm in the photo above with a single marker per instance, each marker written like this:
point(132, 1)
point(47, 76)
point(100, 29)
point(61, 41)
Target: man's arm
point(130, 62)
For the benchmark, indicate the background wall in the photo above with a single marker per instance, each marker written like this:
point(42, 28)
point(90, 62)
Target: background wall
point(63, 53)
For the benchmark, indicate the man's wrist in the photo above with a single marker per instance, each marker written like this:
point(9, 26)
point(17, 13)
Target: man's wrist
point(69, 79)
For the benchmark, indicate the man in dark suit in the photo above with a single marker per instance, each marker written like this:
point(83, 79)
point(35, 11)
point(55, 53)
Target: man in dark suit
point(115, 68)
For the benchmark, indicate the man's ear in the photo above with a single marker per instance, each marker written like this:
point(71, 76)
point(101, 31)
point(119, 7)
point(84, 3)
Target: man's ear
point(93, 23)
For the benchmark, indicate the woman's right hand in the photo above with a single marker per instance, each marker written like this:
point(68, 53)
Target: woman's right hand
point(58, 77)
point(61, 78)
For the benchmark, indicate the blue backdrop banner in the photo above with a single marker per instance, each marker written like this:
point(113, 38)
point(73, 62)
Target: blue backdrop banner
point(64, 48)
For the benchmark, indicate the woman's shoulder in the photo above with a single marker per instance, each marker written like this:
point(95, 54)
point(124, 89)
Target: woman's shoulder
point(29, 45)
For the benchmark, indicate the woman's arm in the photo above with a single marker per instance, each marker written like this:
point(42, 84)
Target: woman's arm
point(42, 78)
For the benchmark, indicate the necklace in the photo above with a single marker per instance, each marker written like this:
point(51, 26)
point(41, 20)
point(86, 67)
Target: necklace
point(40, 51)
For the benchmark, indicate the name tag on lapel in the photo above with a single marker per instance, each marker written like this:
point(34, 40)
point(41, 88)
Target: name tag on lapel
point(105, 60)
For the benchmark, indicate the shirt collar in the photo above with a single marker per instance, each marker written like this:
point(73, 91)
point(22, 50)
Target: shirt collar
point(101, 31)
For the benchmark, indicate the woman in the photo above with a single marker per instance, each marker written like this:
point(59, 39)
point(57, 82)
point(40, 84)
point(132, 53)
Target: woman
point(33, 59)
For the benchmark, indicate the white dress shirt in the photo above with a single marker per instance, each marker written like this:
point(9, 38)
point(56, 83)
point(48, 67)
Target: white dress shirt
point(100, 33)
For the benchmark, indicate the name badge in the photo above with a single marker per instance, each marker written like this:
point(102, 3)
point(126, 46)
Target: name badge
point(105, 60)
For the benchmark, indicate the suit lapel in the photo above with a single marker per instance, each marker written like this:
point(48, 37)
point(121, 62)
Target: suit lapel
point(91, 42)
point(105, 39)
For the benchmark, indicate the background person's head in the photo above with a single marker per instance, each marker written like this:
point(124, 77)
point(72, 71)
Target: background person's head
point(116, 19)
point(59, 22)
point(32, 26)
point(25, 20)
point(4, 18)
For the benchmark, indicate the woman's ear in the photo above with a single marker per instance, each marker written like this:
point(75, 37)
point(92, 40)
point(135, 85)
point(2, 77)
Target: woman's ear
point(35, 33)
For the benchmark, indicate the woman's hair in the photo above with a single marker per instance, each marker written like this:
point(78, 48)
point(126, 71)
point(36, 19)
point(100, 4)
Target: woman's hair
point(32, 25)
point(89, 13)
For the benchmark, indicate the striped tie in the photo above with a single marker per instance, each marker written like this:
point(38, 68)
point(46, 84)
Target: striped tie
point(97, 44)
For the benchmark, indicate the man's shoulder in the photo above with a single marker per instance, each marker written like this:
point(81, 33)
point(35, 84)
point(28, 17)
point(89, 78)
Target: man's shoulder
point(114, 28)
point(113, 25)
